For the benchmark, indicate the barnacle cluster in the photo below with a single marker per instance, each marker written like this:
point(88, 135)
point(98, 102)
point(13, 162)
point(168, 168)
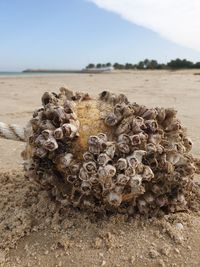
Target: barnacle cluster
point(109, 155)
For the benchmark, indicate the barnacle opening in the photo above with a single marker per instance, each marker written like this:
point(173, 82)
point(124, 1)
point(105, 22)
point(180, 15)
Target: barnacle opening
point(109, 155)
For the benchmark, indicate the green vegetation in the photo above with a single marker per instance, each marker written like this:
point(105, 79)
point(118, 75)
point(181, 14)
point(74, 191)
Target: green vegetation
point(98, 66)
point(150, 64)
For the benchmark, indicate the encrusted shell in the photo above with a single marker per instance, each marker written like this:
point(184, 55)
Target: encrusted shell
point(135, 159)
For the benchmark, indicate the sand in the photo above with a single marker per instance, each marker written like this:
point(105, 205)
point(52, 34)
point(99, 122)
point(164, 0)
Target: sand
point(38, 232)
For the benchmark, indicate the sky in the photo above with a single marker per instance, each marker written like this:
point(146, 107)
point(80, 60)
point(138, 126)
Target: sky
point(69, 34)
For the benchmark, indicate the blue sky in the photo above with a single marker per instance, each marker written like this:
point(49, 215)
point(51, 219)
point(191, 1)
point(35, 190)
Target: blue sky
point(72, 33)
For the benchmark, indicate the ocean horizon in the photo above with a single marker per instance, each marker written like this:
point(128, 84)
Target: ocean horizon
point(18, 73)
point(2, 73)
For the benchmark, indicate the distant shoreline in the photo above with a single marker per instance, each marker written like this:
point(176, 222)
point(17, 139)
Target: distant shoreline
point(32, 73)
point(64, 71)
point(26, 73)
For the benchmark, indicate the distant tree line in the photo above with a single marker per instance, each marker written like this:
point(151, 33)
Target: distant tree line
point(150, 64)
point(98, 66)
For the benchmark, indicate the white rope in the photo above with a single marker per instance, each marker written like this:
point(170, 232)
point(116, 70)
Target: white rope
point(12, 131)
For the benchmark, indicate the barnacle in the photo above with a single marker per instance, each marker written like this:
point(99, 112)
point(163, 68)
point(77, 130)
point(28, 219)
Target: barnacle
point(108, 154)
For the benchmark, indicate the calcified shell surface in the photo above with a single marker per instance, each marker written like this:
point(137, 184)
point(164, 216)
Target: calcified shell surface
point(109, 155)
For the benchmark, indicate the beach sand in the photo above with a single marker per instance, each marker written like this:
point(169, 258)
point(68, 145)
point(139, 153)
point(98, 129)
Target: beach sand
point(44, 235)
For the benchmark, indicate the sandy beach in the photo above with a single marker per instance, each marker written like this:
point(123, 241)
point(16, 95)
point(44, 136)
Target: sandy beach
point(42, 237)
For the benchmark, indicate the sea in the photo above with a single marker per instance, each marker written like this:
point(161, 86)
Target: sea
point(6, 73)
point(54, 72)
point(22, 74)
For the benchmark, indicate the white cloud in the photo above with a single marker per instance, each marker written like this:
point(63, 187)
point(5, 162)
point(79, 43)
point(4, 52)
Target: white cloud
point(175, 20)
